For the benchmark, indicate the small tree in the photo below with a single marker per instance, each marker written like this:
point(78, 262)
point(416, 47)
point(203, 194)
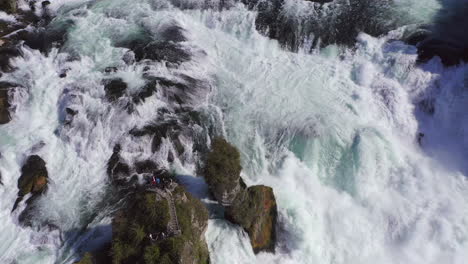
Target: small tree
point(222, 170)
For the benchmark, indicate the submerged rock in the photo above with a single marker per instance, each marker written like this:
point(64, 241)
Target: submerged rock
point(339, 23)
point(160, 51)
point(144, 232)
point(33, 179)
point(115, 88)
point(253, 208)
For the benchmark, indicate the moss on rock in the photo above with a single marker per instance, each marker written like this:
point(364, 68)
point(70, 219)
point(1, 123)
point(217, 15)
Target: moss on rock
point(149, 213)
point(222, 171)
point(255, 210)
point(8, 6)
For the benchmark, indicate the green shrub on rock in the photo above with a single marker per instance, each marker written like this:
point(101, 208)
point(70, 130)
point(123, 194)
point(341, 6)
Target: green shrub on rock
point(222, 170)
point(149, 213)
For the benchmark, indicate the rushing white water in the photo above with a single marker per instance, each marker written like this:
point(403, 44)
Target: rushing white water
point(333, 132)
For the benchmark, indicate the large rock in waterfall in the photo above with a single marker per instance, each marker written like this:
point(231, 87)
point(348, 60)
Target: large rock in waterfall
point(222, 171)
point(5, 89)
point(33, 179)
point(253, 208)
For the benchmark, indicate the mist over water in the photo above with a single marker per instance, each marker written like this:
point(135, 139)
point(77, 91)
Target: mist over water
point(333, 131)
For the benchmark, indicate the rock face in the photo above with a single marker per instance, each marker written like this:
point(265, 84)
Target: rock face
point(350, 18)
point(34, 179)
point(144, 231)
point(4, 105)
point(253, 208)
point(222, 171)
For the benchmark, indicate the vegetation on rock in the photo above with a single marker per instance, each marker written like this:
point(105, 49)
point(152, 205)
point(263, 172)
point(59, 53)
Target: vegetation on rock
point(222, 170)
point(148, 213)
point(255, 210)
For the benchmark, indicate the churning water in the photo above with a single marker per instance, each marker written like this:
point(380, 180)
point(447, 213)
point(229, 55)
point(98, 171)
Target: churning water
point(332, 130)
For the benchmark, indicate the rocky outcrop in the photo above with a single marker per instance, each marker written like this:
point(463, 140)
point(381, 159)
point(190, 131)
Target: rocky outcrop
point(33, 179)
point(117, 169)
point(253, 208)
point(115, 88)
point(5, 89)
point(142, 231)
point(222, 171)
point(346, 18)
point(450, 53)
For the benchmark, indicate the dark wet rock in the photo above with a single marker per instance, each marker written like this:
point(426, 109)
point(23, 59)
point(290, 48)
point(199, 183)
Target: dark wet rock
point(427, 106)
point(110, 69)
point(143, 232)
point(255, 210)
point(179, 147)
point(146, 166)
point(9, 6)
point(420, 137)
point(174, 34)
point(222, 171)
point(7, 52)
point(71, 111)
point(5, 90)
point(322, 28)
point(115, 88)
point(33, 179)
point(69, 115)
point(181, 90)
point(45, 4)
point(414, 36)
point(450, 53)
point(160, 51)
point(117, 169)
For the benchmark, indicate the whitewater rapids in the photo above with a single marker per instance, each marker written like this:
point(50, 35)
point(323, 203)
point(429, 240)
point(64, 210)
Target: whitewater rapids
point(334, 132)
